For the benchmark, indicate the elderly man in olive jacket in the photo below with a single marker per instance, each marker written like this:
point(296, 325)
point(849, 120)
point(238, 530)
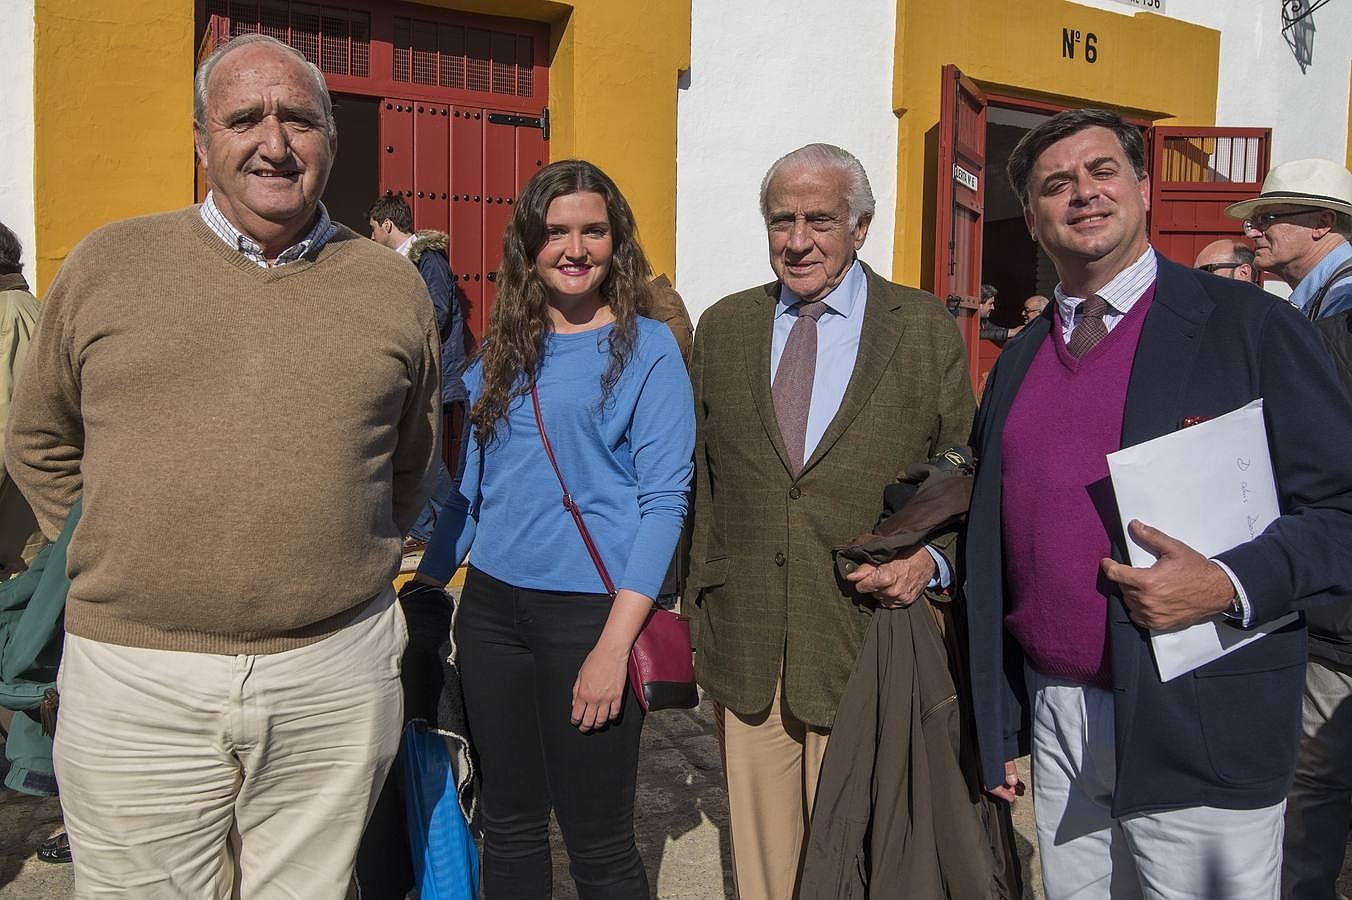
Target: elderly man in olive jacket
point(812, 393)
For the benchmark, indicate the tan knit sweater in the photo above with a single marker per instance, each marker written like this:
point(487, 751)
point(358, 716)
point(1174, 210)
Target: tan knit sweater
point(251, 443)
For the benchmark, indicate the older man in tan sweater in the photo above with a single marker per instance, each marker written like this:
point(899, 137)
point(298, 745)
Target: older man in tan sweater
point(250, 434)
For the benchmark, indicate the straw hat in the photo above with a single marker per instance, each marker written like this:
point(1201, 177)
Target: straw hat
point(1317, 183)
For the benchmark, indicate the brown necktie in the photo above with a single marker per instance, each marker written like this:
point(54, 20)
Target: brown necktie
point(1091, 328)
point(792, 388)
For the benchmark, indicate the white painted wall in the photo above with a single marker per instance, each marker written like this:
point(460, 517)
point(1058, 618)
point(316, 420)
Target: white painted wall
point(1261, 82)
point(766, 77)
point(16, 130)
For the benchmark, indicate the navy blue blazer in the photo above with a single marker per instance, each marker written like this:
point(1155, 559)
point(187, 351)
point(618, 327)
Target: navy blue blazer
point(1224, 735)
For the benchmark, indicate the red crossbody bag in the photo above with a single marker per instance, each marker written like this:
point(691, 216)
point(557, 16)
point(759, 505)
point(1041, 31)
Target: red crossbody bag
point(661, 663)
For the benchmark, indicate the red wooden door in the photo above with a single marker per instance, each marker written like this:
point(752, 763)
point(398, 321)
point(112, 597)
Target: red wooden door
point(513, 151)
point(431, 165)
point(461, 170)
point(467, 223)
point(1194, 174)
point(960, 200)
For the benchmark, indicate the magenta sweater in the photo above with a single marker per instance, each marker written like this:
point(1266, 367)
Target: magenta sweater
point(1057, 502)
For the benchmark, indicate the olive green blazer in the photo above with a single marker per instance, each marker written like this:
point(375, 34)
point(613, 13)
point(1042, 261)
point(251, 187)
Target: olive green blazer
point(763, 591)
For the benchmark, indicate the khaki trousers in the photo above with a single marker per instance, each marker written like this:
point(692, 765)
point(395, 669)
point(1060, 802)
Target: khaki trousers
point(1194, 853)
point(199, 775)
point(772, 760)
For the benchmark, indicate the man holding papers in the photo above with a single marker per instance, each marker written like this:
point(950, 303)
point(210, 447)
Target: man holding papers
point(1142, 787)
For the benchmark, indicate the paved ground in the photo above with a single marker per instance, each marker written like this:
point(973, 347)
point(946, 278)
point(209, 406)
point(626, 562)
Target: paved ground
point(681, 815)
point(26, 822)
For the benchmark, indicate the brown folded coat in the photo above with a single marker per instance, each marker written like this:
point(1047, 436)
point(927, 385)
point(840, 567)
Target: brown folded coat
point(929, 500)
point(896, 814)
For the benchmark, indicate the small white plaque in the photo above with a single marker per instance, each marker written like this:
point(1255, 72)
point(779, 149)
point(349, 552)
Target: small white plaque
point(963, 177)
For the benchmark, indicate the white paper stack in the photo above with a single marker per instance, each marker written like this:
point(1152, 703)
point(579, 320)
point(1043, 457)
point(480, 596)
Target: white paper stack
point(1211, 487)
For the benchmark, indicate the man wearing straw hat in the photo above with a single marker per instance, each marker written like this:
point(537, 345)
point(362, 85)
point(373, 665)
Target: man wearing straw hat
point(1300, 225)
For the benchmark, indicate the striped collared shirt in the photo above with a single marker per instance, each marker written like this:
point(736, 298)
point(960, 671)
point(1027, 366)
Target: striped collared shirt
point(316, 237)
point(1122, 292)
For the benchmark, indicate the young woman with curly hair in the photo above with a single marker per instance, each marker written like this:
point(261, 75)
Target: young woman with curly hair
point(542, 648)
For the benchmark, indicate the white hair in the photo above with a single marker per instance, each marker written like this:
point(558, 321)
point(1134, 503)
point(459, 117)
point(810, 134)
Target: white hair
point(858, 193)
point(199, 87)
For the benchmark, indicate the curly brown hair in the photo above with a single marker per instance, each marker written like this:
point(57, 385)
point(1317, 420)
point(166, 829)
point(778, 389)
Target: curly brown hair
point(512, 348)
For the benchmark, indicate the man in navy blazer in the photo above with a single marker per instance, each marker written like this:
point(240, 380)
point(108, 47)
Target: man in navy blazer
point(1142, 787)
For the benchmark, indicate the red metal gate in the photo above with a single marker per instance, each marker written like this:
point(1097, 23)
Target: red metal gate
point(1194, 174)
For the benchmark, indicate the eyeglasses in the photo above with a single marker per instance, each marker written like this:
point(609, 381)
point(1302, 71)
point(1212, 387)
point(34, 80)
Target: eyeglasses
point(1216, 267)
point(1261, 221)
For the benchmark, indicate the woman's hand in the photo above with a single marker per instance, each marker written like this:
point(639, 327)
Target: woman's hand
point(598, 693)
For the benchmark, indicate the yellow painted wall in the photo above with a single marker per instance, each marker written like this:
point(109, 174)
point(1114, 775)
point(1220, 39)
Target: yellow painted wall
point(612, 93)
point(114, 107)
point(1349, 118)
point(113, 116)
point(1157, 68)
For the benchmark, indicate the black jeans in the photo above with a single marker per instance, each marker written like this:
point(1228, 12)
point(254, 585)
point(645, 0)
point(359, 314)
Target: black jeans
point(519, 652)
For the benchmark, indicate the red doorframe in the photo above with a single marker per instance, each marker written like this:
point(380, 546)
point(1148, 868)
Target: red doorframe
point(1010, 101)
point(1185, 213)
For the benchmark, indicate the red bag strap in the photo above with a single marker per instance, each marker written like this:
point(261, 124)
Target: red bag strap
point(568, 503)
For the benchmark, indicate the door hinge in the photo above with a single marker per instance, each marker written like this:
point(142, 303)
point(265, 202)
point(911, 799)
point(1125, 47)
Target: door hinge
point(542, 122)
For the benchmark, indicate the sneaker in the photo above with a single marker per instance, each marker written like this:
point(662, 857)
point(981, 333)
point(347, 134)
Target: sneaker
point(55, 849)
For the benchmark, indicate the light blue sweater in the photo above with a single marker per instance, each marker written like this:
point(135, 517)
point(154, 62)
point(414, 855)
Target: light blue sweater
point(628, 467)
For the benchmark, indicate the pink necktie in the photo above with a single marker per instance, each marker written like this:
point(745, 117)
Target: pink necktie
point(792, 387)
point(1091, 328)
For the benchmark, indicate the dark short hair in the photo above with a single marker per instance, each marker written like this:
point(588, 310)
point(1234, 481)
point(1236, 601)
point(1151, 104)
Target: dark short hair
point(987, 292)
point(11, 252)
point(1243, 254)
point(1061, 126)
point(394, 208)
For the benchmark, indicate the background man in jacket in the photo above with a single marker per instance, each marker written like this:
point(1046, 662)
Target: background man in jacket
point(391, 224)
point(20, 538)
point(812, 393)
point(1176, 787)
point(1301, 223)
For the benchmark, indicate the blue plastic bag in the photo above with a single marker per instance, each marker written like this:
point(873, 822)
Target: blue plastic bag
point(445, 861)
